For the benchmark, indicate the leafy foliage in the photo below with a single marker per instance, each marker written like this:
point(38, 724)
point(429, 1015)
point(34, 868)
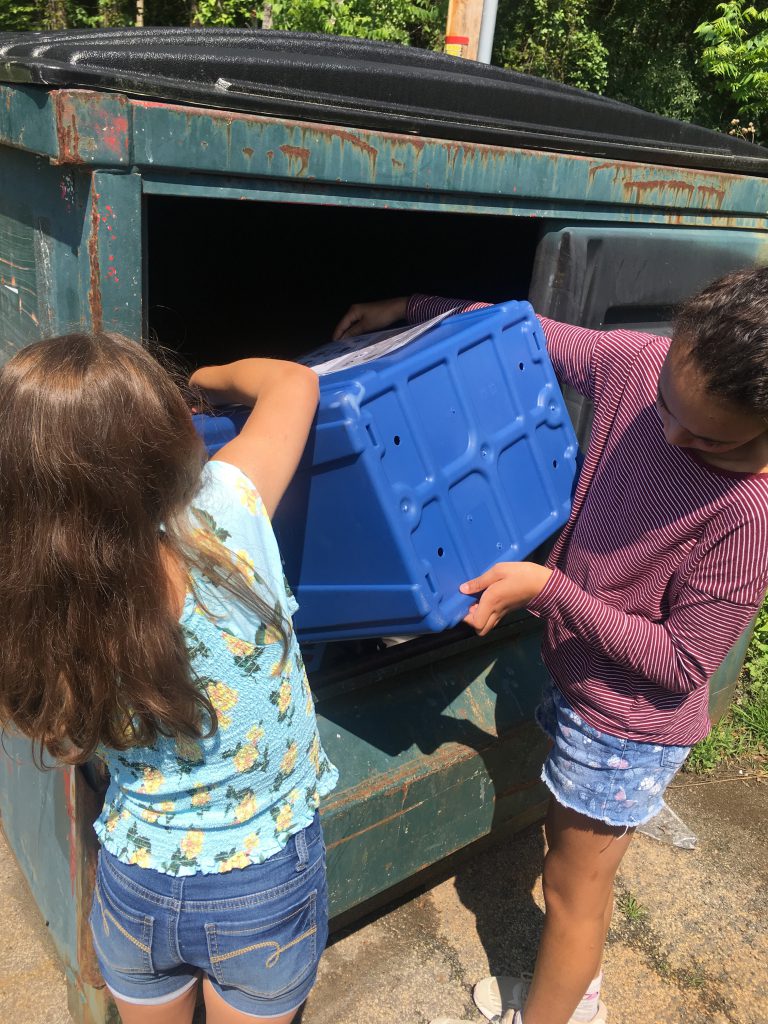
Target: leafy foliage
point(394, 20)
point(552, 39)
point(735, 54)
point(743, 730)
point(654, 56)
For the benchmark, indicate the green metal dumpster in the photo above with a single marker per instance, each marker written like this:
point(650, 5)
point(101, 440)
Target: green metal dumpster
point(231, 192)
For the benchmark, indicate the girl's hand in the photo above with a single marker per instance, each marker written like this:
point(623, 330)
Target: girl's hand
point(284, 398)
point(508, 585)
point(364, 317)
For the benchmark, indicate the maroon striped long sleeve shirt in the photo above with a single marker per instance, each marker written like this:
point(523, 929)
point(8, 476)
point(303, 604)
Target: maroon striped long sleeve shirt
point(663, 561)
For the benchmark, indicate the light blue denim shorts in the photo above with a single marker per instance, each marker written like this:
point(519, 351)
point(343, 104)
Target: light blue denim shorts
point(256, 932)
point(617, 781)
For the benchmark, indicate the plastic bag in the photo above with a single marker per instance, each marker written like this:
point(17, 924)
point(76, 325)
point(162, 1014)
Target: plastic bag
point(668, 828)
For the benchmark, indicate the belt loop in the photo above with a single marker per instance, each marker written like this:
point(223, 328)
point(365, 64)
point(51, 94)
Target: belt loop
point(302, 853)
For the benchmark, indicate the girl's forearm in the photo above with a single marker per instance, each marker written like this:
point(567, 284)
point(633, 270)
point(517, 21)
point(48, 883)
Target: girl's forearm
point(245, 381)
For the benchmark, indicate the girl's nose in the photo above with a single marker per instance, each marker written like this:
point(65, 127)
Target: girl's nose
point(676, 435)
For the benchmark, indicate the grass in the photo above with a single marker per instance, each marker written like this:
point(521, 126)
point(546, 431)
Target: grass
point(742, 733)
point(630, 907)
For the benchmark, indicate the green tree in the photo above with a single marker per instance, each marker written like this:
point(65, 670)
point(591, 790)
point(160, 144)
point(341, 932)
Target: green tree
point(653, 60)
point(735, 54)
point(416, 22)
point(553, 39)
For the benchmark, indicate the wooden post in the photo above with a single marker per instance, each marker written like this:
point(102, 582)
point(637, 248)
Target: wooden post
point(462, 33)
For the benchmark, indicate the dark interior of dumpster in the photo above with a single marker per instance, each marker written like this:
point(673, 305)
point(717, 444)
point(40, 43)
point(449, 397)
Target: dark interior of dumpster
point(274, 278)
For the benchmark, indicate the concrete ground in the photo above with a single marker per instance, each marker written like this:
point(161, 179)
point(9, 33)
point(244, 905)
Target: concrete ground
point(32, 987)
point(692, 947)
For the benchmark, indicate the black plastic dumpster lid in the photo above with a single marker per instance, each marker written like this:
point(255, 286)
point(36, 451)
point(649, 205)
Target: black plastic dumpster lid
point(364, 84)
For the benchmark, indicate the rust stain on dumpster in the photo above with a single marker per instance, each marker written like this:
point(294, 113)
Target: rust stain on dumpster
point(297, 154)
point(88, 125)
point(67, 131)
point(717, 195)
point(94, 291)
point(634, 190)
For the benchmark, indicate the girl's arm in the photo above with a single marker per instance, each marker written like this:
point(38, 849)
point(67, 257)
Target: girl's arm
point(284, 398)
point(708, 611)
point(576, 352)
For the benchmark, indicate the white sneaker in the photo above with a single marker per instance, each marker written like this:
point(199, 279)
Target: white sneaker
point(498, 995)
point(510, 1017)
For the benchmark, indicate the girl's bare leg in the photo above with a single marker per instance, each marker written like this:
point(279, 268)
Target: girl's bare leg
point(178, 1011)
point(219, 1012)
point(579, 870)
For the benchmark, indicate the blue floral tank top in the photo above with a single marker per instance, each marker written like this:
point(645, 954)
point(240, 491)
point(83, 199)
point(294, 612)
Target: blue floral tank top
point(185, 807)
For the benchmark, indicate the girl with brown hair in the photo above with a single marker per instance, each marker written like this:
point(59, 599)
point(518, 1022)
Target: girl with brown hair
point(146, 620)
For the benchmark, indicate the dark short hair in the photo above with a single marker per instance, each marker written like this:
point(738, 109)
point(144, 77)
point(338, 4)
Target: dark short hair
point(726, 329)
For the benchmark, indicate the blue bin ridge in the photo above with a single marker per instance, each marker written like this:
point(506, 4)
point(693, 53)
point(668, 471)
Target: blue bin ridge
point(424, 468)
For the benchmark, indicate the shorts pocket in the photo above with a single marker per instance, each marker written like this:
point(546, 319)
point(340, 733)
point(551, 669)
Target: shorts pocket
point(266, 956)
point(122, 940)
point(674, 757)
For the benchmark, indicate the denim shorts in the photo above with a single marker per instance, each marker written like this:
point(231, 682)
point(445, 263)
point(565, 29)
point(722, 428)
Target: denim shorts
point(617, 781)
point(256, 932)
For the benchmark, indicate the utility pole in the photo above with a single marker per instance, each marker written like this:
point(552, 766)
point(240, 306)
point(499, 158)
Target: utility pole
point(470, 29)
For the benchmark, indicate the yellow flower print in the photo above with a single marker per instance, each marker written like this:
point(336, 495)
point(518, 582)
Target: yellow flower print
point(141, 857)
point(167, 807)
point(201, 798)
point(293, 796)
point(289, 759)
point(150, 816)
point(192, 844)
point(238, 860)
point(246, 758)
point(223, 698)
point(114, 817)
point(247, 565)
point(284, 667)
point(314, 754)
point(248, 496)
point(251, 842)
point(238, 646)
point(246, 809)
point(284, 818)
point(284, 697)
point(255, 735)
point(153, 780)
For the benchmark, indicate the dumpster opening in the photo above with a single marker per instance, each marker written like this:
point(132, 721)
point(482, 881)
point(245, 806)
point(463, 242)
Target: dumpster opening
point(230, 278)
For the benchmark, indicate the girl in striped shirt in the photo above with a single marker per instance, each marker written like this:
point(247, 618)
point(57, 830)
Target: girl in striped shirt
point(660, 568)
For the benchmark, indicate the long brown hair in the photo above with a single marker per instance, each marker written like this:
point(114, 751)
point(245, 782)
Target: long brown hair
point(99, 461)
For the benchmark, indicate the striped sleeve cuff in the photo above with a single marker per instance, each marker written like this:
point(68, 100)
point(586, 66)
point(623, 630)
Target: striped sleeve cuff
point(424, 307)
point(557, 592)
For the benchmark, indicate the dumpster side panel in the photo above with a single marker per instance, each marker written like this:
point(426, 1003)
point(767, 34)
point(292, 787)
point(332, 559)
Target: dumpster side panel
point(38, 820)
point(510, 180)
point(27, 120)
point(19, 308)
point(42, 232)
point(110, 274)
point(430, 762)
point(722, 685)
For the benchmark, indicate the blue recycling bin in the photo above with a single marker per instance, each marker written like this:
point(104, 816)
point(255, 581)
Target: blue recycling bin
point(425, 467)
